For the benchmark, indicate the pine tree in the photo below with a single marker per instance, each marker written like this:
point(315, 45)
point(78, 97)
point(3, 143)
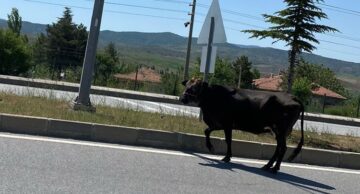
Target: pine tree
point(296, 26)
point(14, 54)
point(15, 21)
point(106, 63)
point(66, 43)
point(242, 63)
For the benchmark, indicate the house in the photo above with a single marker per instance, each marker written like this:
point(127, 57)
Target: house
point(273, 83)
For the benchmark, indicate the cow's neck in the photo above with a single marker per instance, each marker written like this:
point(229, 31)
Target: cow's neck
point(203, 97)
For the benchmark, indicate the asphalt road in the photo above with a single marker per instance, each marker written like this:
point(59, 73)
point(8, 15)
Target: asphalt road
point(160, 107)
point(31, 164)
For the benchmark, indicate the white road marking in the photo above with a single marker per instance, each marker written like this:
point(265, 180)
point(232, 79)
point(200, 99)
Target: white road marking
point(167, 152)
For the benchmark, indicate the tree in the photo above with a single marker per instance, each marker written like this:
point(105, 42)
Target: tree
point(113, 53)
point(39, 50)
point(247, 75)
point(321, 75)
point(66, 43)
point(15, 21)
point(14, 54)
point(256, 73)
point(296, 26)
point(170, 82)
point(224, 73)
point(302, 89)
point(106, 64)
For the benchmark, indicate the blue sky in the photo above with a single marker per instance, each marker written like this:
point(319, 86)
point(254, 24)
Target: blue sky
point(170, 16)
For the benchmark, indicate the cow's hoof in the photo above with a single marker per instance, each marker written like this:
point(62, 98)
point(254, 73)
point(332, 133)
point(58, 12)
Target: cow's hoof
point(210, 148)
point(226, 159)
point(274, 170)
point(266, 168)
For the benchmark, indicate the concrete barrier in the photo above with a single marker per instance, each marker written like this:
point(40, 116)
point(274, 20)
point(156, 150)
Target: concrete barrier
point(156, 138)
point(323, 157)
point(23, 124)
point(69, 129)
point(164, 139)
point(114, 134)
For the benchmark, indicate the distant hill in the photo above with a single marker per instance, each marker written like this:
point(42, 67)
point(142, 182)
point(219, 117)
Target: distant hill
point(168, 50)
point(27, 27)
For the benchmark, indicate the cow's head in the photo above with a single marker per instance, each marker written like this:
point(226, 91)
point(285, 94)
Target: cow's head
point(192, 92)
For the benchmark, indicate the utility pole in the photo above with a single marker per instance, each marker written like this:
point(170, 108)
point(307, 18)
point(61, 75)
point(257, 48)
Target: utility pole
point(82, 102)
point(188, 53)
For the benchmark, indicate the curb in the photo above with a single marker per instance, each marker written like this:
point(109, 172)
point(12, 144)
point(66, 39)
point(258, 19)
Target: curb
point(169, 140)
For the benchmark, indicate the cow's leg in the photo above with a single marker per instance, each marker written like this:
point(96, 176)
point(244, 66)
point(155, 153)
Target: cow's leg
point(272, 159)
point(228, 139)
point(207, 138)
point(281, 141)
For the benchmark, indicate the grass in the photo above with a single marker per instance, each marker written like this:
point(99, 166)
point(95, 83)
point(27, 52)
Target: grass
point(44, 107)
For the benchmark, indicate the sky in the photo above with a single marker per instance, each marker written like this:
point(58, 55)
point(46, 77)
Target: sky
point(170, 16)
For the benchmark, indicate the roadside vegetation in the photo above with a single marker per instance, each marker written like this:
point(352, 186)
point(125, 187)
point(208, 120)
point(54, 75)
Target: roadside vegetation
point(51, 108)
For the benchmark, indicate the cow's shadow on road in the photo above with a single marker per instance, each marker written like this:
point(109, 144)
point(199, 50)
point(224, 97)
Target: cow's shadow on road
point(280, 176)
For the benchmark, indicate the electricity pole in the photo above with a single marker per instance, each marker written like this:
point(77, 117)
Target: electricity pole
point(186, 69)
point(82, 102)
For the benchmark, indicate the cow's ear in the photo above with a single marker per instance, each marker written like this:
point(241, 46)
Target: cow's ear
point(184, 82)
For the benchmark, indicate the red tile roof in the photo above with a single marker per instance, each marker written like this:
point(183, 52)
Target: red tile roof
point(321, 91)
point(272, 83)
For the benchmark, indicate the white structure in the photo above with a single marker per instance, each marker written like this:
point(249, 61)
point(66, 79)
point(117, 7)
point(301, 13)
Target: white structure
point(219, 36)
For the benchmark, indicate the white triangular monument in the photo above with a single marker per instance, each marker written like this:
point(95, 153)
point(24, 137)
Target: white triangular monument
point(219, 30)
point(212, 60)
point(219, 37)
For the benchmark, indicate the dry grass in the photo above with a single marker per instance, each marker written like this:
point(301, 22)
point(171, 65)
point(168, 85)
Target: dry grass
point(42, 107)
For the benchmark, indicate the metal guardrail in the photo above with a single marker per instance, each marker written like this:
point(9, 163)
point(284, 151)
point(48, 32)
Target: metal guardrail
point(72, 87)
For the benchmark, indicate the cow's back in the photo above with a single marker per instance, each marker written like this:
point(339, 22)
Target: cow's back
point(248, 110)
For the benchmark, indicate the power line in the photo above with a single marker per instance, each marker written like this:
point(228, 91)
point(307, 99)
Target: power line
point(146, 7)
point(340, 8)
point(340, 44)
point(173, 1)
point(340, 11)
point(57, 4)
point(109, 11)
point(236, 13)
point(243, 23)
point(343, 37)
point(337, 51)
point(183, 19)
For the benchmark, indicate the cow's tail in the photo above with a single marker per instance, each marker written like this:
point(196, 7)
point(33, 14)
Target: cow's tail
point(301, 143)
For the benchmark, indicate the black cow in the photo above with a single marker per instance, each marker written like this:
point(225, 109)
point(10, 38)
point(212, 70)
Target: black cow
point(248, 110)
